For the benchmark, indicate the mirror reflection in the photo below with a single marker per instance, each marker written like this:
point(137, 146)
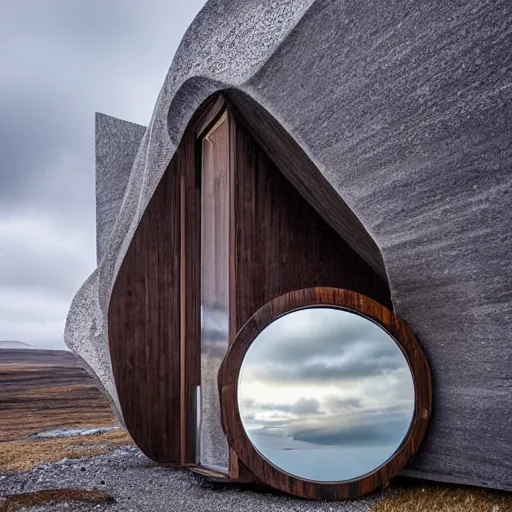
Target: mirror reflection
point(325, 394)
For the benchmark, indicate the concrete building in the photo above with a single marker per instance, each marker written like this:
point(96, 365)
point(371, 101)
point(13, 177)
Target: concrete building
point(393, 121)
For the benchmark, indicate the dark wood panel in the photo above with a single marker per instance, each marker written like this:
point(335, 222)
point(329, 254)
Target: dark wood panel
point(228, 384)
point(190, 292)
point(295, 164)
point(154, 311)
point(281, 242)
point(278, 243)
point(144, 326)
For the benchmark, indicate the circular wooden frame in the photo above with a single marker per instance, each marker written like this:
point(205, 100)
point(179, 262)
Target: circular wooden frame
point(228, 390)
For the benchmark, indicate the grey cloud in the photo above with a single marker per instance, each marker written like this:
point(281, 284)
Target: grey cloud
point(63, 61)
point(339, 415)
point(361, 427)
point(335, 402)
point(324, 372)
point(302, 406)
point(36, 263)
point(247, 403)
point(305, 406)
point(337, 347)
point(326, 338)
point(31, 130)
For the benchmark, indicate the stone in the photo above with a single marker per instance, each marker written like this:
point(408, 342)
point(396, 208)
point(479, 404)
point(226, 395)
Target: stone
point(117, 143)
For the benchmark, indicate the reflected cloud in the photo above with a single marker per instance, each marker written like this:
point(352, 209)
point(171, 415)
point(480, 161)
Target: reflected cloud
point(346, 347)
point(325, 394)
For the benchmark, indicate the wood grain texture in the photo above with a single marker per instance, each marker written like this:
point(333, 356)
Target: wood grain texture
point(280, 242)
point(228, 386)
point(144, 326)
point(215, 218)
point(298, 168)
point(154, 313)
point(208, 114)
point(190, 269)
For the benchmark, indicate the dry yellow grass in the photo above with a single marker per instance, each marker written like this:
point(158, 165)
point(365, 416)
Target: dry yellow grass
point(43, 390)
point(24, 454)
point(33, 499)
point(443, 498)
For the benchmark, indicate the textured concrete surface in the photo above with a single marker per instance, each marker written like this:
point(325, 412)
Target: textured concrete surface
point(405, 107)
point(117, 143)
point(139, 485)
point(213, 446)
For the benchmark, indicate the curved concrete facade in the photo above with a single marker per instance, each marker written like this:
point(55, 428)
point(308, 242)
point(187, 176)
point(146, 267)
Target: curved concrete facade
point(406, 108)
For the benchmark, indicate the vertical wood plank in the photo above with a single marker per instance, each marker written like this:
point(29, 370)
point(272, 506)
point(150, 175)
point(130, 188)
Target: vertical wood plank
point(144, 326)
point(281, 242)
point(190, 295)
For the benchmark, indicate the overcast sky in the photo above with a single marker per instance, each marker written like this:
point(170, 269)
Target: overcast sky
point(325, 394)
point(61, 61)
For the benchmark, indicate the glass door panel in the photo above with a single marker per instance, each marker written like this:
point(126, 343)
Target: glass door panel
point(213, 448)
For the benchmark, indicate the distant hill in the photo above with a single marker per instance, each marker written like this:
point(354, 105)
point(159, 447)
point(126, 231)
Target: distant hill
point(15, 345)
point(44, 390)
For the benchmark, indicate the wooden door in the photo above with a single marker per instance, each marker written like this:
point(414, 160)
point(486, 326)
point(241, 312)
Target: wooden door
point(215, 249)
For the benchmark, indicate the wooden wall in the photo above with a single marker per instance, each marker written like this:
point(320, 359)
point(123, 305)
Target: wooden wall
point(295, 164)
point(278, 243)
point(281, 242)
point(144, 326)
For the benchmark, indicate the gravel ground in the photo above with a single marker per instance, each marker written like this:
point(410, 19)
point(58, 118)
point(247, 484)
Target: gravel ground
point(137, 484)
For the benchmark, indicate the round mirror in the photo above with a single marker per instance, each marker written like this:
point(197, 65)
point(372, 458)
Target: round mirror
point(325, 394)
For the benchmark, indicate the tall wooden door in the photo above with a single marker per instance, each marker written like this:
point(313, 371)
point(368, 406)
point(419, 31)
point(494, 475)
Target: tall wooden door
point(215, 203)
